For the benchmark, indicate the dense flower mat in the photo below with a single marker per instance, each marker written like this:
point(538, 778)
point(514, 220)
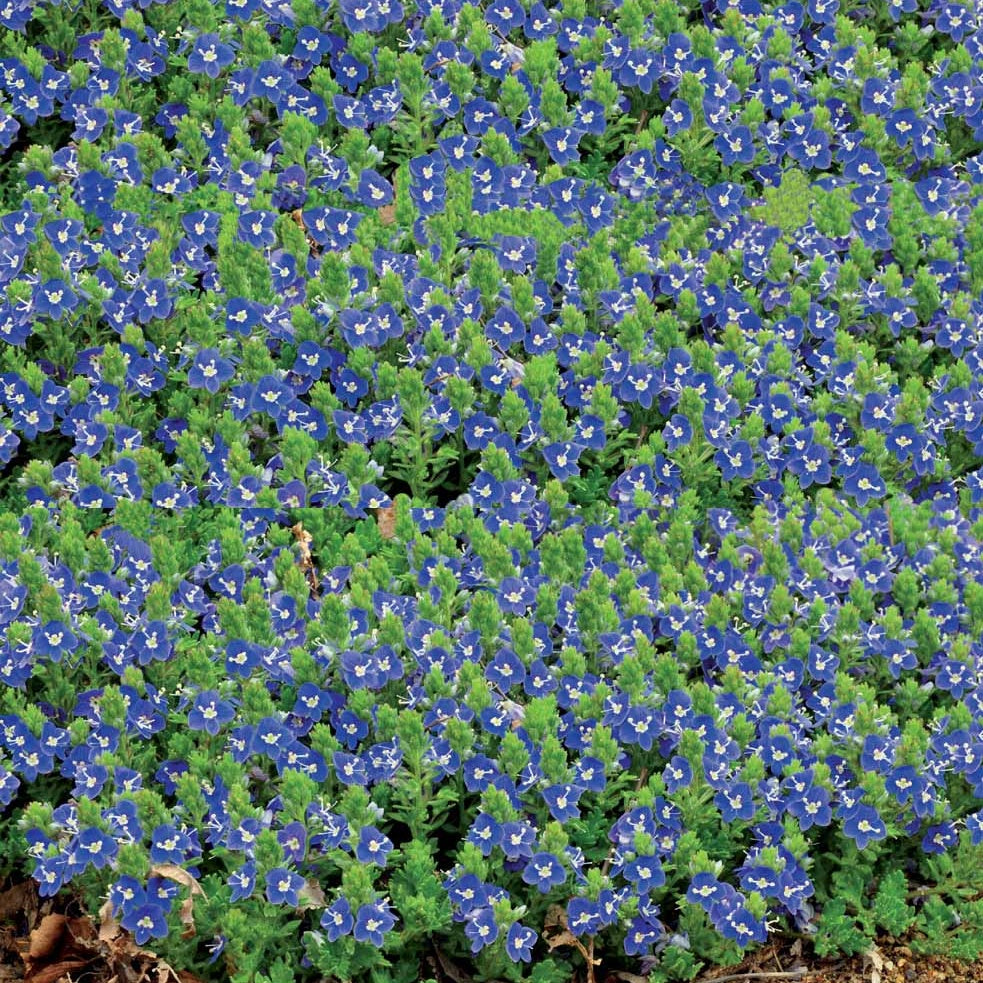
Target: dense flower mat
point(493, 484)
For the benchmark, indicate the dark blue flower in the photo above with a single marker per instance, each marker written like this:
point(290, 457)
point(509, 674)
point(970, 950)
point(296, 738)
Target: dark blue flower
point(372, 923)
point(481, 928)
point(168, 844)
point(373, 846)
point(209, 370)
point(562, 801)
point(863, 825)
point(337, 920)
point(283, 886)
point(544, 871)
point(210, 712)
point(209, 56)
point(520, 942)
point(146, 922)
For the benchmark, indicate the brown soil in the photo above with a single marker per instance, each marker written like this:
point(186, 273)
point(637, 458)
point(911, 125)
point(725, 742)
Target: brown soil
point(887, 962)
point(44, 940)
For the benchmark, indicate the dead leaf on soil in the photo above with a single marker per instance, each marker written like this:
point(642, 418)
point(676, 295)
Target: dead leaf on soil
point(304, 540)
point(21, 898)
point(47, 936)
point(59, 946)
point(556, 918)
point(874, 961)
point(109, 928)
point(454, 973)
point(178, 874)
point(386, 517)
point(175, 873)
point(311, 895)
point(187, 915)
point(54, 972)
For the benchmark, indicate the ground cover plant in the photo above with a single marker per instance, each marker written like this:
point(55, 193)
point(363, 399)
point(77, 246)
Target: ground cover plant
point(493, 482)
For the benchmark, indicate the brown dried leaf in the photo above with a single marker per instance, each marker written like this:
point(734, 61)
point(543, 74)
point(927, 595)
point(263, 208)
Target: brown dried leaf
point(166, 973)
point(874, 961)
point(187, 915)
point(561, 938)
point(109, 928)
point(386, 518)
point(53, 972)
point(311, 895)
point(46, 938)
point(556, 918)
point(387, 214)
point(451, 970)
point(304, 540)
point(555, 915)
point(175, 873)
point(17, 900)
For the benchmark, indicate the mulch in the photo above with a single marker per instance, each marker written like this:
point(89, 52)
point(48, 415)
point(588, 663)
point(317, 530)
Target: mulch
point(43, 940)
point(888, 961)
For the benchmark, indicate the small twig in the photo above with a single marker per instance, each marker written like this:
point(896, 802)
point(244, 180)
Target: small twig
point(778, 962)
point(792, 974)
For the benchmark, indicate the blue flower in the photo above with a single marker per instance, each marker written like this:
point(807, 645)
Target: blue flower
point(97, 847)
point(735, 146)
point(863, 825)
point(645, 873)
point(544, 871)
point(562, 143)
point(210, 712)
point(337, 920)
point(168, 844)
point(152, 301)
point(256, 228)
point(54, 640)
point(209, 56)
point(481, 928)
point(740, 925)
point(562, 459)
point(466, 892)
point(562, 801)
point(864, 483)
point(811, 807)
point(515, 595)
point(283, 886)
point(735, 802)
point(736, 461)
point(372, 923)
point(641, 936)
point(519, 942)
point(584, 917)
point(146, 922)
point(209, 370)
point(126, 894)
point(811, 466)
point(373, 846)
point(54, 299)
